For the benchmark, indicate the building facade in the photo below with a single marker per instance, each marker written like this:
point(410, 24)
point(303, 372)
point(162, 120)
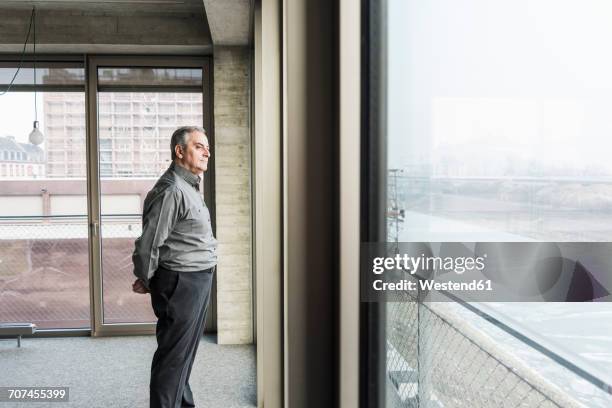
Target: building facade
point(134, 131)
point(20, 160)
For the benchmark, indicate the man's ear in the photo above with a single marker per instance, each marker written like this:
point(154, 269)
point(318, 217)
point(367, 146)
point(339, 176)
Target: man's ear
point(178, 151)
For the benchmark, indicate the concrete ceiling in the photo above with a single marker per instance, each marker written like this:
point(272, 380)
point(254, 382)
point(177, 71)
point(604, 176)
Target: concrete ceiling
point(127, 26)
point(108, 26)
point(229, 21)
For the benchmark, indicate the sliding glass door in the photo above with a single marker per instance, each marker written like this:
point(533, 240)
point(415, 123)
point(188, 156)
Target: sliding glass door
point(71, 201)
point(135, 105)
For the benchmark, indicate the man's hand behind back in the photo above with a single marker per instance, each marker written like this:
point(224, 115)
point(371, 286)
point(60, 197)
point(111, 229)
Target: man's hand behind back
point(139, 287)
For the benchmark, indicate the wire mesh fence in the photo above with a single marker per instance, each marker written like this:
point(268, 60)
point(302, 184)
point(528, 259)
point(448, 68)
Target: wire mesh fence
point(434, 360)
point(44, 271)
point(120, 304)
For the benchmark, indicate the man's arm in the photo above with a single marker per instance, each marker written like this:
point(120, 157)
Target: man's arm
point(157, 223)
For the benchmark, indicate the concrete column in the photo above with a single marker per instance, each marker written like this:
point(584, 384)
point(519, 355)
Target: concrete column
point(232, 150)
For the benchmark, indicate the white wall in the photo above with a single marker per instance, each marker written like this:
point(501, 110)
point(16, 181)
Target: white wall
point(111, 204)
point(68, 204)
point(21, 205)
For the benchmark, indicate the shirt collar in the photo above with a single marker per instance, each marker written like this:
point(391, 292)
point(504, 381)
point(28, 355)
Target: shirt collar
point(186, 175)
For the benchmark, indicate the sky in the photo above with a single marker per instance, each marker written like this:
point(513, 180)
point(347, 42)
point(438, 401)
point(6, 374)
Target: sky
point(528, 77)
point(17, 114)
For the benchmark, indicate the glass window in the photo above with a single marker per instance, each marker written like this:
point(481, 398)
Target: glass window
point(149, 77)
point(131, 166)
point(490, 133)
point(44, 272)
point(62, 76)
point(43, 189)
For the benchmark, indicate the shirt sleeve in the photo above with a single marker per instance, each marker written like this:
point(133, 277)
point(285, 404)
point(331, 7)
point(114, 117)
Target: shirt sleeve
point(158, 221)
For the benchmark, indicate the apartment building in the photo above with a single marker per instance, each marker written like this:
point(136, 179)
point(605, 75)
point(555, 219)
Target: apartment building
point(134, 130)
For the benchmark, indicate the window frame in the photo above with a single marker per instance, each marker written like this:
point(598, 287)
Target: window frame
point(89, 62)
point(99, 328)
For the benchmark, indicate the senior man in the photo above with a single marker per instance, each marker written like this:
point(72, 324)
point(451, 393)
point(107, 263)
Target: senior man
point(174, 260)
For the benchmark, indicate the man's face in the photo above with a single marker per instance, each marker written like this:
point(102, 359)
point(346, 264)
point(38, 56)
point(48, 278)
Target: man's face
point(195, 156)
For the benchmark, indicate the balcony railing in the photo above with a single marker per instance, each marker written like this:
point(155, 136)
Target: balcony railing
point(44, 271)
point(438, 355)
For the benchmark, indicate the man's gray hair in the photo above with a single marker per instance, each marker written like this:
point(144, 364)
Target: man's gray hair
point(179, 137)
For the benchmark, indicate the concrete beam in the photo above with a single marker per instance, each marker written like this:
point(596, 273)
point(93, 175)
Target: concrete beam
point(87, 31)
point(109, 6)
point(229, 21)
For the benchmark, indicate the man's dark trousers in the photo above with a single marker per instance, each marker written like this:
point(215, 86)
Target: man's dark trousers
point(180, 301)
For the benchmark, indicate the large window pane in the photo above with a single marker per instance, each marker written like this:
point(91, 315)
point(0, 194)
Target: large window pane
point(134, 152)
point(44, 264)
point(498, 131)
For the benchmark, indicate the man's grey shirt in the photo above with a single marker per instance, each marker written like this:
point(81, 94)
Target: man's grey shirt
point(176, 229)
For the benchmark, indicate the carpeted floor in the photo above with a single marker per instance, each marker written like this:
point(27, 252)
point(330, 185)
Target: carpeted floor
point(113, 372)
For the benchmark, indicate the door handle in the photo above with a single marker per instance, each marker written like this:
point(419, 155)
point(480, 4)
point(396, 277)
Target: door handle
point(95, 228)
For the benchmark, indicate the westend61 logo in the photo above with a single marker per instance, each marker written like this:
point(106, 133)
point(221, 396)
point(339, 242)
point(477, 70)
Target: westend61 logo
point(414, 264)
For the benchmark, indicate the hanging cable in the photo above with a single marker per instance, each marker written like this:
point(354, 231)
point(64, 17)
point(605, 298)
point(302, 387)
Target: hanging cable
point(35, 104)
point(23, 54)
